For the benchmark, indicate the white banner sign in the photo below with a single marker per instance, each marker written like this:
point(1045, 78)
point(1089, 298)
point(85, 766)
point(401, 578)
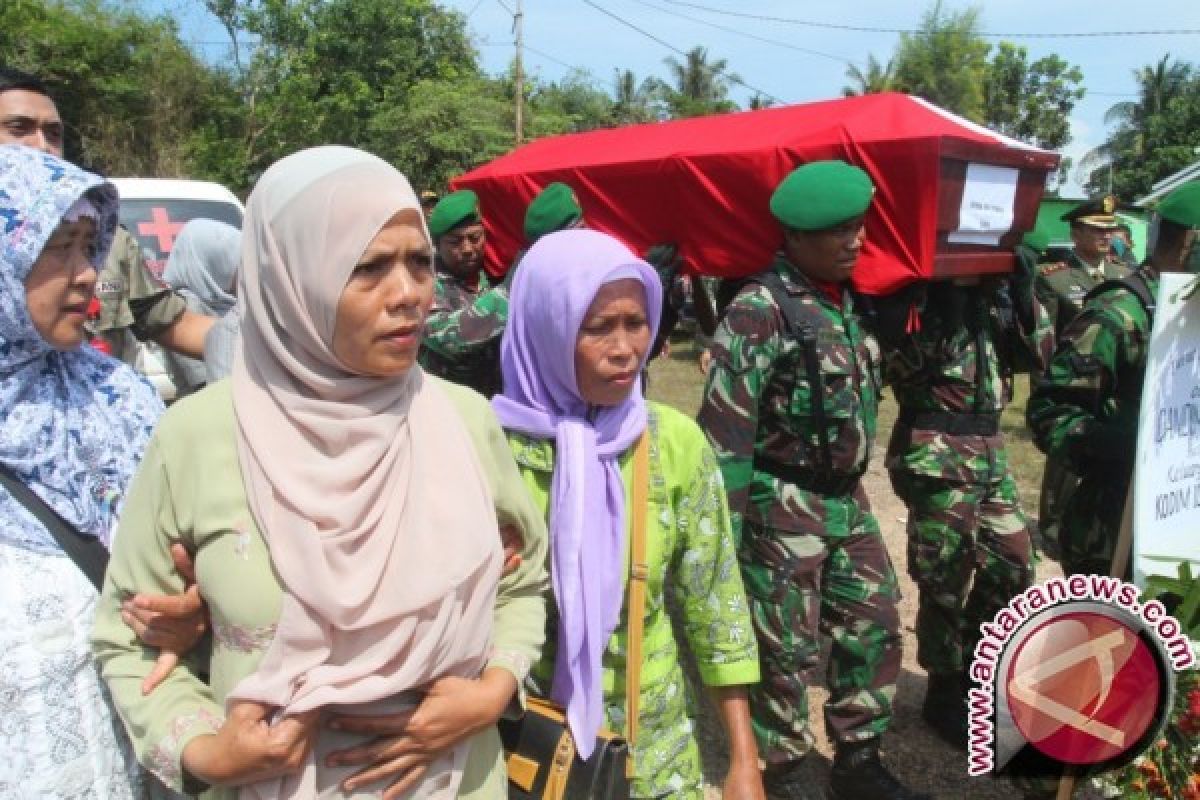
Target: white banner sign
point(1166, 521)
point(988, 198)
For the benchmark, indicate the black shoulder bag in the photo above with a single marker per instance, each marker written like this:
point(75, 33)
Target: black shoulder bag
point(88, 552)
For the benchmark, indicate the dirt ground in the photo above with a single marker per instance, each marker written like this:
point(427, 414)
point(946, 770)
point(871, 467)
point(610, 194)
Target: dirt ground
point(918, 757)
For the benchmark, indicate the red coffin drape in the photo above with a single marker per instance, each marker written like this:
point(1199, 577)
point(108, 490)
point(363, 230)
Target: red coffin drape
point(705, 183)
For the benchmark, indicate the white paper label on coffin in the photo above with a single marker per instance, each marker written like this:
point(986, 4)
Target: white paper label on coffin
point(988, 202)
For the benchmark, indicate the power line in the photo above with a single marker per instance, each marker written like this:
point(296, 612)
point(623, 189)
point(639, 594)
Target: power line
point(728, 75)
point(549, 57)
point(504, 5)
point(865, 29)
point(756, 38)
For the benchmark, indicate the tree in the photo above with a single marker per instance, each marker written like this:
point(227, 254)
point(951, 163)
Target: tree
point(635, 102)
point(323, 70)
point(1031, 102)
point(1154, 136)
point(877, 78)
point(946, 61)
point(447, 127)
point(133, 96)
point(574, 104)
point(700, 87)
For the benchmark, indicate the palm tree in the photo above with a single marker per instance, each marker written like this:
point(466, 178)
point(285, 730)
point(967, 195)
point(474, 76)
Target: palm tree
point(701, 87)
point(635, 102)
point(1158, 85)
point(877, 78)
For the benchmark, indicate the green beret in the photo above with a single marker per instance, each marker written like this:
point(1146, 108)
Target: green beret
point(552, 210)
point(820, 195)
point(455, 209)
point(1182, 206)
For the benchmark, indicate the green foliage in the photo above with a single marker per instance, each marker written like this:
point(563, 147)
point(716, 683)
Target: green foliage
point(875, 79)
point(1031, 102)
point(447, 128)
point(946, 61)
point(635, 102)
point(135, 99)
point(700, 86)
point(1155, 136)
point(396, 77)
point(328, 71)
point(1181, 596)
point(574, 104)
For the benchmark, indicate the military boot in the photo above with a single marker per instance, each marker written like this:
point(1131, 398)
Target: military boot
point(945, 708)
point(858, 774)
point(793, 781)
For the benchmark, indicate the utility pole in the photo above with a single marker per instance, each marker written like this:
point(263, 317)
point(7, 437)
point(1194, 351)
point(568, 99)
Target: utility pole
point(518, 74)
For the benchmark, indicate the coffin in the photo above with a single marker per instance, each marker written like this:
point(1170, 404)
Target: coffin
point(952, 197)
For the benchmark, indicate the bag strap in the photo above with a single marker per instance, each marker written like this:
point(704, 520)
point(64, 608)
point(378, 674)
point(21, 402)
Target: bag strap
point(639, 571)
point(88, 552)
point(798, 326)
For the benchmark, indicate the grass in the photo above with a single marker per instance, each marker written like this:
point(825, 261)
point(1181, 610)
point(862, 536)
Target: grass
point(676, 381)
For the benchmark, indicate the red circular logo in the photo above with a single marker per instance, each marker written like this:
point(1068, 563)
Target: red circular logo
point(1083, 688)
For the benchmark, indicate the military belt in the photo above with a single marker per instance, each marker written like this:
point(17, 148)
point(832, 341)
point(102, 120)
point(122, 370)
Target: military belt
point(959, 423)
point(807, 478)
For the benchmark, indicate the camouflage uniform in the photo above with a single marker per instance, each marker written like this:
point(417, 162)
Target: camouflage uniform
point(134, 304)
point(462, 334)
point(1061, 287)
point(948, 463)
point(1086, 410)
point(811, 552)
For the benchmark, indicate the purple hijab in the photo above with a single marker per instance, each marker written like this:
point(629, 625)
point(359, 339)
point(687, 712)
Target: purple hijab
point(555, 285)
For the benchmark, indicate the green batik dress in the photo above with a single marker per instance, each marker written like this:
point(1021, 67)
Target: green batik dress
point(690, 551)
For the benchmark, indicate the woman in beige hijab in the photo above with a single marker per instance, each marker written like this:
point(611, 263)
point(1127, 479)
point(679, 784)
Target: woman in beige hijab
point(343, 509)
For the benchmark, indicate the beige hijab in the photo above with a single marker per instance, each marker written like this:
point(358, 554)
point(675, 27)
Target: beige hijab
point(377, 513)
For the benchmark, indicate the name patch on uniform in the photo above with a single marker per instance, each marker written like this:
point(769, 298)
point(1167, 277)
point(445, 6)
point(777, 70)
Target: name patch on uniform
point(110, 287)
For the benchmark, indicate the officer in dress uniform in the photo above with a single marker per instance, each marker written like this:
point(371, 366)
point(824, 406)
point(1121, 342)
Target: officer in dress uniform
point(1060, 287)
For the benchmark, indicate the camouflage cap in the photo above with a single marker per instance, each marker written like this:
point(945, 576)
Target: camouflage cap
point(555, 208)
point(455, 209)
point(1182, 206)
point(1100, 213)
point(821, 194)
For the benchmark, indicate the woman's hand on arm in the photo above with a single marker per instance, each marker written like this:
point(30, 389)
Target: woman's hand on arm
point(171, 623)
point(744, 779)
point(248, 748)
point(452, 710)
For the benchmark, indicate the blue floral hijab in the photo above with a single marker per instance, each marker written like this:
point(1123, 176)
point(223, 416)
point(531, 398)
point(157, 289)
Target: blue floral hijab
point(75, 423)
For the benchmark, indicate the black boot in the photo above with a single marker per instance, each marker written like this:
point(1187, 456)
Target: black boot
point(792, 781)
point(858, 774)
point(945, 708)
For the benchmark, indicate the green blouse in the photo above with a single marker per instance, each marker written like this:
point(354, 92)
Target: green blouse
point(189, 489)
point(690, 552)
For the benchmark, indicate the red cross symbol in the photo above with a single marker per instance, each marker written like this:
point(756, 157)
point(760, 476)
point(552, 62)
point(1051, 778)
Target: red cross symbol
point(161, 228)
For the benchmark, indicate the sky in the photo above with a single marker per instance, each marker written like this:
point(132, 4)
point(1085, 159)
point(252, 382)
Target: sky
point(793, 62)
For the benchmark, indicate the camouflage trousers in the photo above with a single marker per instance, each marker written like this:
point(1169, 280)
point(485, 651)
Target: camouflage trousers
point(959, 531)
point(1091, 522)
point(833, 577)
point(1059, 482)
